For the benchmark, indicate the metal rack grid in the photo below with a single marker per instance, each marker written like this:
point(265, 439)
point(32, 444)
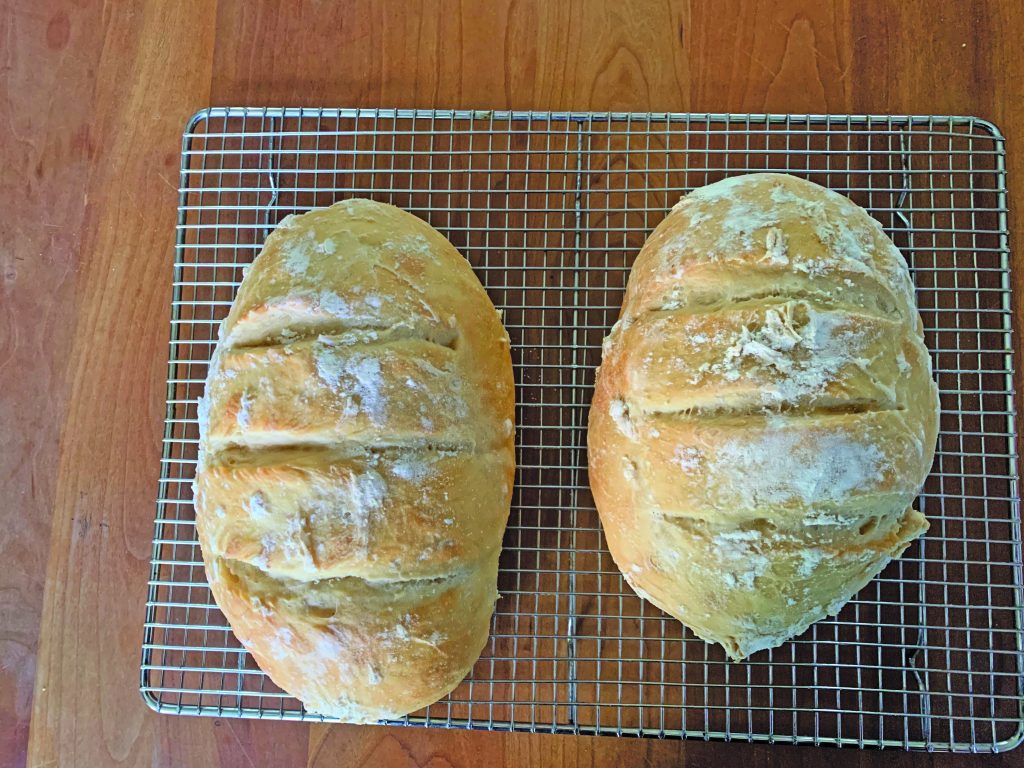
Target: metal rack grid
point(550, 210)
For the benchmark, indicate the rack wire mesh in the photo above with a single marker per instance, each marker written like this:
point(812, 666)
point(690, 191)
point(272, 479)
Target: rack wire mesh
point(550, 210)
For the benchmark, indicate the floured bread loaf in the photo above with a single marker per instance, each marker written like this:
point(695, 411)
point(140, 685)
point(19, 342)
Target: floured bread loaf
point(764, 413)
point(356, 461)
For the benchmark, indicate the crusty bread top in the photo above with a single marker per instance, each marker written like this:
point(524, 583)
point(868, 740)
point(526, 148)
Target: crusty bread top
point(764, 412)
point(769, 235)
point(356, 454)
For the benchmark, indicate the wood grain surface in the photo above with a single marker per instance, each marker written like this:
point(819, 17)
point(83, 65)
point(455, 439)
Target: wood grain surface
point(93, 98)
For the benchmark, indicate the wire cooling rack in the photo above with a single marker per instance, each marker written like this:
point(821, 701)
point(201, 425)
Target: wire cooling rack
point(550, 209)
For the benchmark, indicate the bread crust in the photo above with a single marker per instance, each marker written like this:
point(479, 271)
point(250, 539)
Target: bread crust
point(764, 413)
point(356, 461)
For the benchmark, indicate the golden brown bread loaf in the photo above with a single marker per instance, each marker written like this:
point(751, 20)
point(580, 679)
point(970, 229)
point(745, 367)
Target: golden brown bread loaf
point(764, 414)
point(356, 461)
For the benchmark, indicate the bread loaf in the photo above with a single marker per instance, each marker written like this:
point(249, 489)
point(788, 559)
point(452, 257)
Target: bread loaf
point(356, 461)
point(764, 414)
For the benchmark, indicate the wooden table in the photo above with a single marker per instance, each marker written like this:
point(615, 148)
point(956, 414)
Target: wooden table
point(94, 100)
